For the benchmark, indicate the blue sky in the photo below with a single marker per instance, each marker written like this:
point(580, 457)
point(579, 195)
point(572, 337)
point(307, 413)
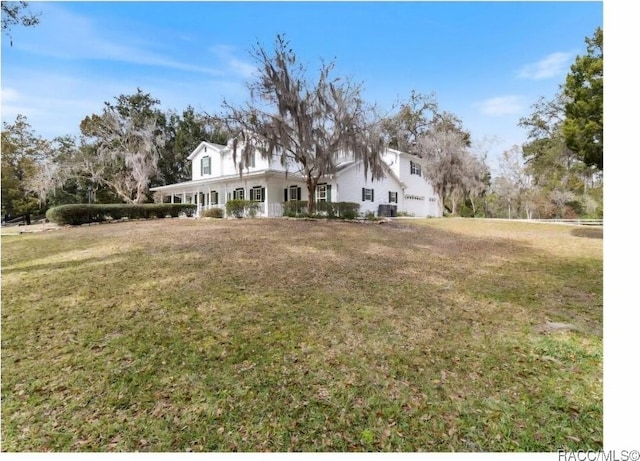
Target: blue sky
point(487, 62)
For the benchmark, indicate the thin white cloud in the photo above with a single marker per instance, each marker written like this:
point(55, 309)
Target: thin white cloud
point(551, 66)
point(71, 36)
point(9, 95)
point(242, 68)
point(502, 105)
point(57, 108)
point(226, 54)
point(54, 109)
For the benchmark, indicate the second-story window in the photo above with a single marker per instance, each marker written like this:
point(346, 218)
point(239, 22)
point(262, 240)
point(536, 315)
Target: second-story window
point(415, 168)
point(249, 162)
point(205, 166)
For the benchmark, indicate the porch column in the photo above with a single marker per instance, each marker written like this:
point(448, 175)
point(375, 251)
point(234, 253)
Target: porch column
point(171, 197)
point(266, 199)
point(184, 197)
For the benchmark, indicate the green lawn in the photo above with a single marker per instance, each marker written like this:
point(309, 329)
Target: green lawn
point(291, 335)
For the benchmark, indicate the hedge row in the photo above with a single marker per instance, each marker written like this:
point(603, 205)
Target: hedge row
point(82, 214)
point(345, 210)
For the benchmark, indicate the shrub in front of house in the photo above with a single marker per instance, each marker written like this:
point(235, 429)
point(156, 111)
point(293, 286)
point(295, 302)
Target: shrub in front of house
point(343, 210)
point(326, 209)
point(294, 208)
point(242, 208)
point(212, 213)
point(347, 210)
point(77, 214)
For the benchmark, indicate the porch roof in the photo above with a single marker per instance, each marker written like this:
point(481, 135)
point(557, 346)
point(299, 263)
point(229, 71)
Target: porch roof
point(194, 184)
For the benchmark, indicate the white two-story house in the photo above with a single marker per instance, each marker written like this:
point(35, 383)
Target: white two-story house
point(216, 179)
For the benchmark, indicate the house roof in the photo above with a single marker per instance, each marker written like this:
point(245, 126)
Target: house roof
point(218, 147)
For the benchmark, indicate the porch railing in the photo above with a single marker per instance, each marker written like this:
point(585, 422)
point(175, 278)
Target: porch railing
point(274, 209)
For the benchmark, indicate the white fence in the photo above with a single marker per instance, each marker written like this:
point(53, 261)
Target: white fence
point(575, 222)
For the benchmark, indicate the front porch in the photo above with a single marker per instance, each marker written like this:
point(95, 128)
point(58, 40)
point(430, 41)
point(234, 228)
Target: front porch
point(206, 201)
point(266, 189)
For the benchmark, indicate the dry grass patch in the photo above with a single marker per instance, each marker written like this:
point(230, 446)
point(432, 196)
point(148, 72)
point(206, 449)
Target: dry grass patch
point(287, 335)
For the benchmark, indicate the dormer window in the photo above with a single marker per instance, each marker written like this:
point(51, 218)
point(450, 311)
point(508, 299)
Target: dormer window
point(205, 166)
point(416, 168)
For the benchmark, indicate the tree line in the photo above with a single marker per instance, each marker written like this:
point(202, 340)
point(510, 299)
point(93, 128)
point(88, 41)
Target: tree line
point(131, 146)
point(307, 120)
point(558, 172)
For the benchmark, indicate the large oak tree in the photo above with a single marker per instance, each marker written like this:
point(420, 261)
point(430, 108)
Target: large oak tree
point(128, 137)
point(441, 145)
point(304, 123)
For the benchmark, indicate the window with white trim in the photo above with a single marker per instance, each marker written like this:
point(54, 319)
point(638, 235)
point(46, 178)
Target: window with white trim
point(367, 195)
point(205, 165)
point(294, 193)
point(415, 168)
point(214, 197)
point(323, 193)
point(238, 194)
point(393, 197)
point(256, 193)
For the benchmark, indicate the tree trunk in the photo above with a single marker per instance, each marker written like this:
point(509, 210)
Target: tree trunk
point(441, 197)
point(139, 194)
point(311, 189)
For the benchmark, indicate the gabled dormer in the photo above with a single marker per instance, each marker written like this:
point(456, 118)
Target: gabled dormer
point(207, 161)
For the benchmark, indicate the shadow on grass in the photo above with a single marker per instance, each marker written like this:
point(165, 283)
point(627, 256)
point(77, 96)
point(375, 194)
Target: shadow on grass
point(59, 266)
point(588, 232)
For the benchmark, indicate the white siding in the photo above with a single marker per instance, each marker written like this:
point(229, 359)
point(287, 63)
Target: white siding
point(222, 163)
point(418, 198)
point(392, 159)
point(349, 186)
point(204, 151)
point(290, 166)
